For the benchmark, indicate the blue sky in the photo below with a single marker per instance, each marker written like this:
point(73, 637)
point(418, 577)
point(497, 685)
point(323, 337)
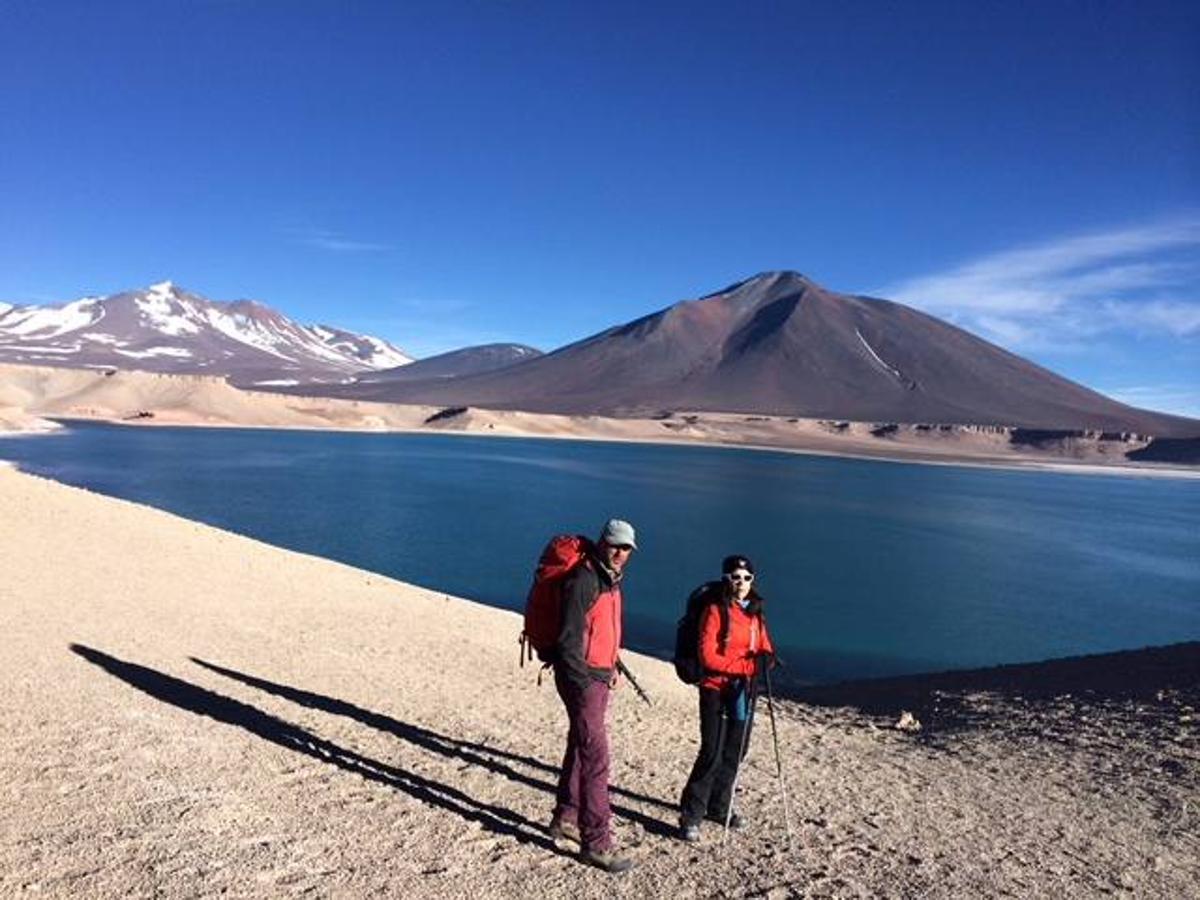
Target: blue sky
point(448, 174)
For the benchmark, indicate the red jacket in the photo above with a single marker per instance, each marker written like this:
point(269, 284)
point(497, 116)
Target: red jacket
point(747, 635)
point(590, 636)
point(602, 639)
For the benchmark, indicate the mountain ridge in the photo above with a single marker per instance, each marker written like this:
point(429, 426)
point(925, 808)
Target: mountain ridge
point(780, 344)
point(456, 363)
point(776, 343)
point(165, 328)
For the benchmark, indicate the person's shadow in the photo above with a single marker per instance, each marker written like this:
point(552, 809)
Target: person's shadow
point(204, 702)
point(477, 754)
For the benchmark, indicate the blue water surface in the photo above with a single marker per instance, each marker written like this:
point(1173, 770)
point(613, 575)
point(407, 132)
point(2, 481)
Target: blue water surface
point(869, 568)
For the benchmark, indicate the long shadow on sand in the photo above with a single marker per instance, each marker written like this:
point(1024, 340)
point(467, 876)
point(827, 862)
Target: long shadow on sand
point(949, 701)
point(207, 703)
point(476, 754)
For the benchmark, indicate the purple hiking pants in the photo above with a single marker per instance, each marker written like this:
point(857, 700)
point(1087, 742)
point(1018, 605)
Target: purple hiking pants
point(583, 784)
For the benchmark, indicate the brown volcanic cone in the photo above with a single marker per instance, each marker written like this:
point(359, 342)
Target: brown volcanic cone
point(779, 344)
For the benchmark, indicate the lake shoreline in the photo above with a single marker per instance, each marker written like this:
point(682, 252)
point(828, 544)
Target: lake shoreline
point(832, 647)
point(1129, 470)
point(32, 396)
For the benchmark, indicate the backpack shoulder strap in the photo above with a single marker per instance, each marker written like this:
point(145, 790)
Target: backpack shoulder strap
point(711, 593)
point(585, 570)
point(723, 612)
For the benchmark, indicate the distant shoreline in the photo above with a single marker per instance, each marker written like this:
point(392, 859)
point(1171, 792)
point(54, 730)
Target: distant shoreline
point(1131, 470)
point(34, 399)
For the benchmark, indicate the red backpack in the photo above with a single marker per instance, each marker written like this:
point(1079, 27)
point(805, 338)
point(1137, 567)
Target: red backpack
point(543, 606)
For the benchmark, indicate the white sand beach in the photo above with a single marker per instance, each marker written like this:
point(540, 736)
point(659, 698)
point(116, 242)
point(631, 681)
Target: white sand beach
point(191, 713)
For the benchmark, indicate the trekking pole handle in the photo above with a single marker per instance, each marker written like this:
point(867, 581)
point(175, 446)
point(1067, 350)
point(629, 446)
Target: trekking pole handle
point(624, 670)
point(764, 660)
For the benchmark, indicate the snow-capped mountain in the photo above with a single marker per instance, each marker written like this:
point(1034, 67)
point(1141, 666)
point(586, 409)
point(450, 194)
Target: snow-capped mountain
point(167, 329)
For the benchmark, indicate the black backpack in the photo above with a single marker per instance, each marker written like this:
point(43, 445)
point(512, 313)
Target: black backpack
point(687, 631)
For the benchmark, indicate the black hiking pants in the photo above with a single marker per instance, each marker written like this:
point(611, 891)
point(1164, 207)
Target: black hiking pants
point(707, 794)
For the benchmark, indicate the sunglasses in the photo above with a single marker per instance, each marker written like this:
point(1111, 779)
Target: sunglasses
point(740, 577)
point(624, 548)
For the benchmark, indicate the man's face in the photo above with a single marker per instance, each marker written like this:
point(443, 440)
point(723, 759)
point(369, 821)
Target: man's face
point(616, 555)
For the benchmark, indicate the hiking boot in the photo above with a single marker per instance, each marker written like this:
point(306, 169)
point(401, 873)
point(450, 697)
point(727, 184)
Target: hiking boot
point(689, 831)
point(608, 860)
point(562, 830)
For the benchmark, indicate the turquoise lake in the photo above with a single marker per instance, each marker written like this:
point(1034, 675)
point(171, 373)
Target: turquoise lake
point(869, 568)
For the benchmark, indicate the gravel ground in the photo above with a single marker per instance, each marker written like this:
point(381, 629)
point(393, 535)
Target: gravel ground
point(192, 713)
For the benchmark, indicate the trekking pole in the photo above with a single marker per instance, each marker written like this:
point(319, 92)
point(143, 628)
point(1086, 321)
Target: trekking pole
point(751, 702)
point(624, 670)
point(787, 815)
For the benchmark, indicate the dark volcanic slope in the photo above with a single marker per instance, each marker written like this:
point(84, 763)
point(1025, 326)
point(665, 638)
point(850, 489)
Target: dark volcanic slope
point(780, 344)
point(456, 363)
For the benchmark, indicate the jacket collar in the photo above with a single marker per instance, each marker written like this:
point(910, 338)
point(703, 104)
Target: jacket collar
point(607, 576)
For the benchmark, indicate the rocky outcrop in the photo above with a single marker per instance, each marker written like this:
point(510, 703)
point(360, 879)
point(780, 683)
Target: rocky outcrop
point(1184, 451)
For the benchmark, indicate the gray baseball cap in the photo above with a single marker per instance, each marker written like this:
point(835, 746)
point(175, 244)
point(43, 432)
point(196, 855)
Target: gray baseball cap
point(617, 532)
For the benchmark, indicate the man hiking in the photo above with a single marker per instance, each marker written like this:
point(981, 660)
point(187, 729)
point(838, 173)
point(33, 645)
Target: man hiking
point(585, 673)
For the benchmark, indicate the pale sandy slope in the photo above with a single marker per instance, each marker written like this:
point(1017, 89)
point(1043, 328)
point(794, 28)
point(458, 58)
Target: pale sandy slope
point(30, 394)
point(348, 735)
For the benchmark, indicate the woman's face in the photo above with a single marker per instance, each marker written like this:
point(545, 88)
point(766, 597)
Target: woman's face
point(739, 583)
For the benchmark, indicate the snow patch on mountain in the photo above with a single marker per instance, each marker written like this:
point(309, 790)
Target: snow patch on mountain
point(245, 331)
point(177, 352)
point(383, 356)
point(877, 357)
point(319, 347)
point(371, 351)
point(35, 350)
point(49, 322)
point(101, 338)
point(166, 312)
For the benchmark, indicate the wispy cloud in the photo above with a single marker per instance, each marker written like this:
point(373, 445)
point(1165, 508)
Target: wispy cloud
point(1180, 399)
point(1177, 317)
point(1143, 279)
point(332, 241)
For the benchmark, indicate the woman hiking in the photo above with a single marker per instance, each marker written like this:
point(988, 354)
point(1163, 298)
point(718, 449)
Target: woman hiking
point(732, 636)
